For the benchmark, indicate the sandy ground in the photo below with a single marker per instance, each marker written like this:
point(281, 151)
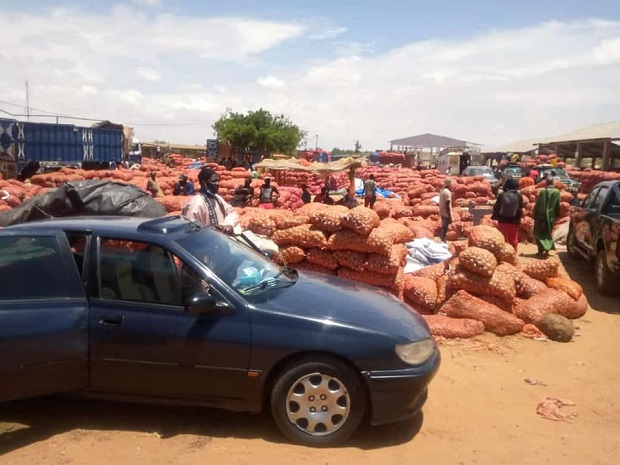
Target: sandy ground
point(480, 411)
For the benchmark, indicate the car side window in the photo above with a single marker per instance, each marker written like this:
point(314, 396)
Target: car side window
point(32, 267)
point(613, 207)
point(587, 203)
point(600, 198)
point(141, 272)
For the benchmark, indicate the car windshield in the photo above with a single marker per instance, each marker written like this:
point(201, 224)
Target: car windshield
point(234, 262)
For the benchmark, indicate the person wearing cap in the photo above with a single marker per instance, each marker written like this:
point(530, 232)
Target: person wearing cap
point(153, 186)
point(445, 208)
point(208, 207)
point(268, 195)
point(183, 186)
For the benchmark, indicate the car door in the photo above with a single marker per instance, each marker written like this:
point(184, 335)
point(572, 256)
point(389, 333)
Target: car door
point(142, 340)
point(43, 316)
point(580, 223)
point(592, 219)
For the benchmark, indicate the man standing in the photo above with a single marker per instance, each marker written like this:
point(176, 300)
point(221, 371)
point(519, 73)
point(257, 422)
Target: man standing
point(546, 210)
point(243, 194)
point(370, 192)
point(445, 208)
point(268, 195)
point(209, 208)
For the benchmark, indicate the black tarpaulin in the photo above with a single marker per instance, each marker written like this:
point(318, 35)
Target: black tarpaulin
point(88, 197)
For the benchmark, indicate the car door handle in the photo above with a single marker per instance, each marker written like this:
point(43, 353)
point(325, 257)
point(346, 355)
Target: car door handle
point(111, 321)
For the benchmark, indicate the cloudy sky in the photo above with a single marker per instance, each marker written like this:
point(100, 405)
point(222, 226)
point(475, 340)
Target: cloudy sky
point(356, 69)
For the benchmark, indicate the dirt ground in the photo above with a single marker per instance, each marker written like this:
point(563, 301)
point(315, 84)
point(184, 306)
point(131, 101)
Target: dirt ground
point(480, 411)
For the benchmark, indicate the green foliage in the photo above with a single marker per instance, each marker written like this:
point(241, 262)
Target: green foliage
point(259, 131)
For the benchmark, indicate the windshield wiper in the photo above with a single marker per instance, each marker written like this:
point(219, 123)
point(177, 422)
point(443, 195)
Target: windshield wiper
point(275, 282)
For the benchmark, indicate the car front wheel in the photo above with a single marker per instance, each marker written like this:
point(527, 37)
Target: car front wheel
point(318, 403)
point(604, 278)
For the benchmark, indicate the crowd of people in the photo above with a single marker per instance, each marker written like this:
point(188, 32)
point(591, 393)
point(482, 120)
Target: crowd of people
point(209, 208)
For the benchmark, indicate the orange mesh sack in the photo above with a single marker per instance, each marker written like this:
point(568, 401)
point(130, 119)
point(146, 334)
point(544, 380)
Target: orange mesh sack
point(507, 254)
point(330, 218)
point(441, 290)
point(459, 247)
point(361, 220)
point(525, 286)
point(479, 261)
point(498, 302)
point(353, 260)
point(487, 237)
point(541, 269)
point(549, 301)
point(434, 271)
point(496, 321)
point(291, 254)
point(303, 236)
point(573, 289)
point(310, 208)
point(313, 267)
point(348, 240)
point(261, 225)
point(421, 292)
point(501, 284)
point(451, 328)
point(387, 264)
point(400, 233)
point(382, 209)
point(322, 257)
point(381, 280)
point(285, 222)
point(379, 241)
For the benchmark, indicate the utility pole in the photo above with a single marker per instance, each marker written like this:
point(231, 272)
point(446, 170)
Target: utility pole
point(316, 145)
point(27, 101)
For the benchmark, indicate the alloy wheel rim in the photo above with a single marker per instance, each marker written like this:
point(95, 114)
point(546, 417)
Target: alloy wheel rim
point(318, 404)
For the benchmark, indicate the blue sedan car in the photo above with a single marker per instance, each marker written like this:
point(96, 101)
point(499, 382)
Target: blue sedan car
point(166, 311)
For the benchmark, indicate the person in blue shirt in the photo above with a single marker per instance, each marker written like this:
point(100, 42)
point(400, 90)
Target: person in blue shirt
point(183, 186)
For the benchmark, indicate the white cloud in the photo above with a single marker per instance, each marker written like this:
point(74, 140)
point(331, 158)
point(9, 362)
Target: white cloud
point(327, 34)
point(148, 74)
point(492, 87)
point(271, 82)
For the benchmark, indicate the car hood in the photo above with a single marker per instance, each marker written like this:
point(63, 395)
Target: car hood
point(329, 298)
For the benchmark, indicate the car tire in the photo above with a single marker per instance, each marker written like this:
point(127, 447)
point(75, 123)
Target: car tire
point(604, 282)
point(318, 403)
point(570, 244)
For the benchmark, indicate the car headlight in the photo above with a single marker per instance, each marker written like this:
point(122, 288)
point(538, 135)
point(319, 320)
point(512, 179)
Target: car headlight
point(416, 353)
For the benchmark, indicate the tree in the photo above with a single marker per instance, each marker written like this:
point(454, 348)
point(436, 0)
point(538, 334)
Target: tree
point(259, 131)
point(358, 146)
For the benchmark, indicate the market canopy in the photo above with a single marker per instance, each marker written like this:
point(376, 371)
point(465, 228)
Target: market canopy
point(322, 169)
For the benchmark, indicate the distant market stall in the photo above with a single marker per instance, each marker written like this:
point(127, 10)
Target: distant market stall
point(324, 170)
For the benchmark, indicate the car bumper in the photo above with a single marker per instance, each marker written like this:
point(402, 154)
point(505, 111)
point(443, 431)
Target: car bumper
point(400, 394)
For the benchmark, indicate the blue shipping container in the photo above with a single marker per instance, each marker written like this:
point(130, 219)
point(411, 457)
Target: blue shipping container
point(24, 142)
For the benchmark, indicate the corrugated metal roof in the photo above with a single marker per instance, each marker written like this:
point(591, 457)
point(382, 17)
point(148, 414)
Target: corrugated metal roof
point(609, 130)
point(521, 146)
point(430, 140)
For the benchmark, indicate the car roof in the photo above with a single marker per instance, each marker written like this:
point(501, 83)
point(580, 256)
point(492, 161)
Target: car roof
point(121, 225)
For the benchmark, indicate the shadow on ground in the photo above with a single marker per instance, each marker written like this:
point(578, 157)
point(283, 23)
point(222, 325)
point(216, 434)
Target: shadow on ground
point(583, 272)
point(25, 422)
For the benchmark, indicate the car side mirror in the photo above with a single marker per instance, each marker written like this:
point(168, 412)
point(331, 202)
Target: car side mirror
point(204, 303)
